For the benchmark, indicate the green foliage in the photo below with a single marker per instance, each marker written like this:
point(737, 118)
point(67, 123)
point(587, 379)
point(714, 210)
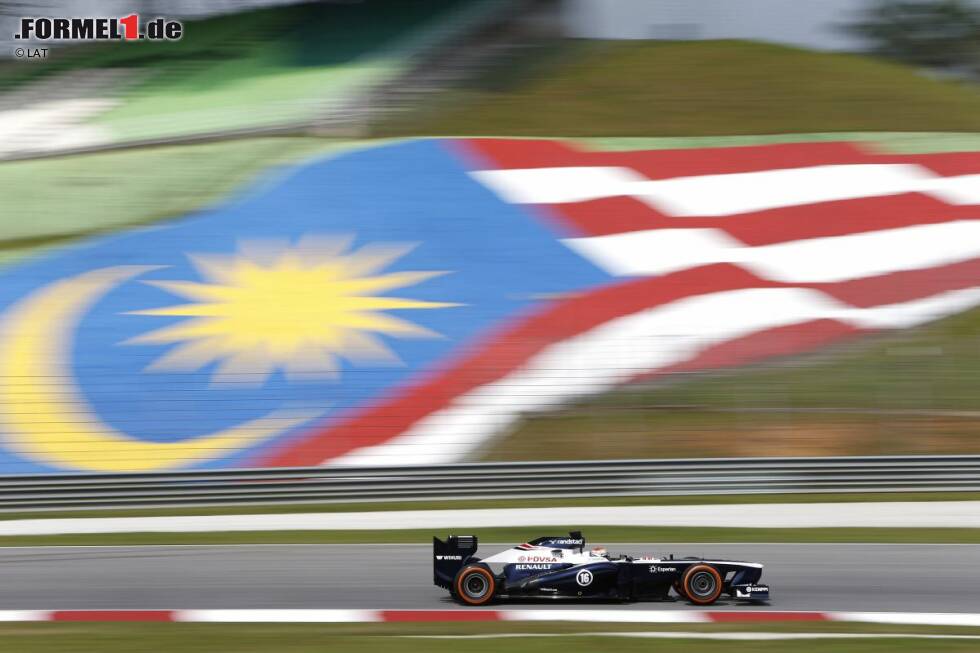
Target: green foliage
point(937, 33)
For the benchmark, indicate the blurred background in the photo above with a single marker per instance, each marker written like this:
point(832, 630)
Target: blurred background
point(302, 234)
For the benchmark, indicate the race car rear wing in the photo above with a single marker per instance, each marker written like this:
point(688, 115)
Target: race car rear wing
point(449, 557)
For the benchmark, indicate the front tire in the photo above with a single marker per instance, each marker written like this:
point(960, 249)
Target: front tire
point(701, 584)
point(475, 585)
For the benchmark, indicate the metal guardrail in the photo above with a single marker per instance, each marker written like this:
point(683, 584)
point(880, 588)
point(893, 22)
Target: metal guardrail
point(495, 480)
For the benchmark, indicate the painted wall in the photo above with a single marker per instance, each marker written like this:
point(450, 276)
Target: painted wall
point(405, 303)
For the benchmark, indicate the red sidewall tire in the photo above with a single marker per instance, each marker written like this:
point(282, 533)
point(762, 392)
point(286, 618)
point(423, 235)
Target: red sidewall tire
point(467, 572)
point(694, 597)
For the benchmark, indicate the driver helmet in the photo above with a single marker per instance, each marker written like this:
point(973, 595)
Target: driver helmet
point(598, 552)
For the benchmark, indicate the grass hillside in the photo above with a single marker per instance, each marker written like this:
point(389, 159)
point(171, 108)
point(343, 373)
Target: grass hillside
point(657, 88)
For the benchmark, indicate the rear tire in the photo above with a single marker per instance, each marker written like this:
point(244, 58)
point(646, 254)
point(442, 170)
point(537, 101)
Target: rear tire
point(701, 584)
point(475, 585)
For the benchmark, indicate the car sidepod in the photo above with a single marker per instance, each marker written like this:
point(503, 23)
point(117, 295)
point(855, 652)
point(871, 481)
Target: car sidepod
point(651, 580)
point(599, 579)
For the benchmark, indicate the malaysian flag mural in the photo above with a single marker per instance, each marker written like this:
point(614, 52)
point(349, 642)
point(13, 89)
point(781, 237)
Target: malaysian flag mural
point(403, 304)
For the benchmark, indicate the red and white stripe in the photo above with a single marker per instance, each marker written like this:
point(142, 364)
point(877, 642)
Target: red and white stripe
point(418, 616)
point(725, 255)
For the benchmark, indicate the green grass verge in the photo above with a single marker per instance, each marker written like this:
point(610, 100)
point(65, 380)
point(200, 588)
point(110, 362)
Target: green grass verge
point(310, 638)
point(912, 392)
point(896, 142)
point(476, 504)
point(59, 200)
point(593, 533)
point(692, 88)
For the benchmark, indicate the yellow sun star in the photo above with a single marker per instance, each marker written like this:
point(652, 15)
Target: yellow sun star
point(299, 309)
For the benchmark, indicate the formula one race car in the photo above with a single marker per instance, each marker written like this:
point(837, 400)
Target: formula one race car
point(561, 568)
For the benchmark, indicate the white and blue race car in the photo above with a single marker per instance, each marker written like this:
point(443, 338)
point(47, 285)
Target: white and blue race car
point(560, 568)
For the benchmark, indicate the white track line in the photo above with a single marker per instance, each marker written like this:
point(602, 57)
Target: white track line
point(280, 616)
point(897, 514)
point(918, 618)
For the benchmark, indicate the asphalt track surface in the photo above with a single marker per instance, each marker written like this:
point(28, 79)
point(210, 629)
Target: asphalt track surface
point(849, 577)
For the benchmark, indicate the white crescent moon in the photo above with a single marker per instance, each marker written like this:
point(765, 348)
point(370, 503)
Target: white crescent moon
point(44, 417)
